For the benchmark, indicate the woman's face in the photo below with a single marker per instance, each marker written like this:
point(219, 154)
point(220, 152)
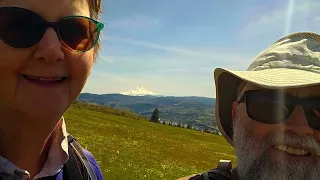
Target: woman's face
point(44, 98)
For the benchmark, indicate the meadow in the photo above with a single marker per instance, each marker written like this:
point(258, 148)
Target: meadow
point(133, 149)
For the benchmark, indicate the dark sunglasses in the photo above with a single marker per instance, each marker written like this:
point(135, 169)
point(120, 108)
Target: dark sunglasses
point(274, 107)
point(22, 28)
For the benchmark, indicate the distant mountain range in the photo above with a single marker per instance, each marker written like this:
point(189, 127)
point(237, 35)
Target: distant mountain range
point(197, 111)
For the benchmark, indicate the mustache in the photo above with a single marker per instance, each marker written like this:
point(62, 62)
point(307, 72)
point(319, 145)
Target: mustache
point(294, 140)
point(254, 158)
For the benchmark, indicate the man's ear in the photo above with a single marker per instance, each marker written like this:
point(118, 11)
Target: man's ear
point(235, 109)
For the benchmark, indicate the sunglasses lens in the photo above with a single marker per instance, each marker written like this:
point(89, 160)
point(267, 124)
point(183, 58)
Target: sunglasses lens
point(312, 111)
point(266, 109)
point(78, 33)
point(20, 28)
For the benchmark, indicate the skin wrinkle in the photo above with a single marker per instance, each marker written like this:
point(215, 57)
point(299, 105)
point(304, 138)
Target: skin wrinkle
point(254, 140)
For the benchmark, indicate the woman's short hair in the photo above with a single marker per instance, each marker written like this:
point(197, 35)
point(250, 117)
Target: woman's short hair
point(95, 8)
point(95, 11)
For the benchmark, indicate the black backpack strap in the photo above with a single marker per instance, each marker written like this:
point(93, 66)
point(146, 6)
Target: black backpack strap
point(222, 172)
point(74, 168)
point(224, 168)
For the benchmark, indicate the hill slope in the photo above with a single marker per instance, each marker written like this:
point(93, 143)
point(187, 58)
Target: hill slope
point(197, 111)
point(138, 149)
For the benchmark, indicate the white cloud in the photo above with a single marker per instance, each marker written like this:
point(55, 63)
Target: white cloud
point(174, 64)
point(174, 70)
point(183, 72)
point(166, 84)
point(174, 75)
point(178, 71)
point(176, 50)
point(211, 56)
point(108, 59)
point(295, 15)
point(136, 21)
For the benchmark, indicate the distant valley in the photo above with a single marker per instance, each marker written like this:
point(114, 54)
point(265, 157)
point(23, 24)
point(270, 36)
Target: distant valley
point(196, 111)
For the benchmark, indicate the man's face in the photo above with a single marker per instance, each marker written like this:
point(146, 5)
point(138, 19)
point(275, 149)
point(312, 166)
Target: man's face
point(258, 144)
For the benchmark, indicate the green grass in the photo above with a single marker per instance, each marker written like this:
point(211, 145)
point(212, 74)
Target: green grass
point(129, 149)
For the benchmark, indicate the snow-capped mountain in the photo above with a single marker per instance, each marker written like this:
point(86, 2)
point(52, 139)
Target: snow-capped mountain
point(139, 91)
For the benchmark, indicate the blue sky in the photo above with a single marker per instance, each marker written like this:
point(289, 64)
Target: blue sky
point(171, 47)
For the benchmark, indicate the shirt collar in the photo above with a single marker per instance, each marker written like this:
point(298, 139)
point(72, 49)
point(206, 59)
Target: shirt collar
point(57, 157)
point(58, 152)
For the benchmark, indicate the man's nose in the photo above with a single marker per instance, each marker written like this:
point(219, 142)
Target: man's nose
point(297, 122)
point(49, 47)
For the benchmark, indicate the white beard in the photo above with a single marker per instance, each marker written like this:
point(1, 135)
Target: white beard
point(255, 162)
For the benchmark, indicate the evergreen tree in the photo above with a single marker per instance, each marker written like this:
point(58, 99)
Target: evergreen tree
point(155, 116)
point(179, 124)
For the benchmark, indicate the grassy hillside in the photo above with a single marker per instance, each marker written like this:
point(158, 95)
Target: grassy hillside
point(131, 149)
point(196, 111)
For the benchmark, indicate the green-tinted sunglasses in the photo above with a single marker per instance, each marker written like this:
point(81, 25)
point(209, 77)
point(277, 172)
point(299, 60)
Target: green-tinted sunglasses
point(22, 28)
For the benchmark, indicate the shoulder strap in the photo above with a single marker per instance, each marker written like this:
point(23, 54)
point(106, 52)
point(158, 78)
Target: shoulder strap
point(84, 162)
point(73, 169)
point(222, 172)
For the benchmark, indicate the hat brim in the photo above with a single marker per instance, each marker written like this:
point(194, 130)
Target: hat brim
point(227, 82)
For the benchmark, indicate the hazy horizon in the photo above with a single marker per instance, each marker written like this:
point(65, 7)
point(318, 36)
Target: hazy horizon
point(147, 89)
point(172, 47)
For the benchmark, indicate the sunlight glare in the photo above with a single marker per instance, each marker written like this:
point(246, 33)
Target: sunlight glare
point(289, 15)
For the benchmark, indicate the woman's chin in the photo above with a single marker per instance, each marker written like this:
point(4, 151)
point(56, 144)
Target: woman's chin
point(44, 111)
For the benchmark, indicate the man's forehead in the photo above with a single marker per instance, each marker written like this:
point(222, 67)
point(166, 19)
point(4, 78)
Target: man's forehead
point(304, 92)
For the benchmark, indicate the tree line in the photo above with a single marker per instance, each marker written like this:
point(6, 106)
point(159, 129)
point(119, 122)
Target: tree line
point(155, 117)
